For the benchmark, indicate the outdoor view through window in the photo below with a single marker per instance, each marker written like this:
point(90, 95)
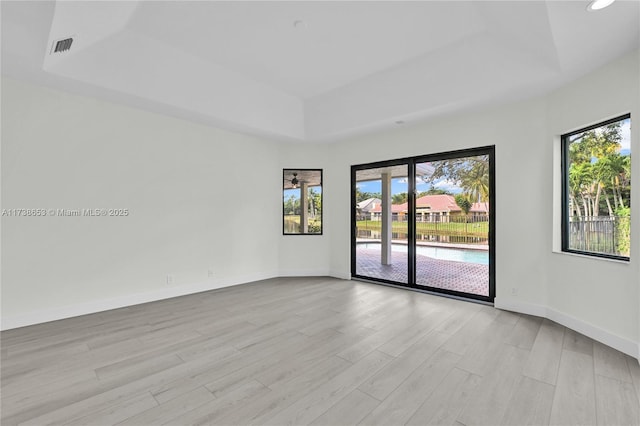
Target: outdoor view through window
point(597, 189)
point(302, 201)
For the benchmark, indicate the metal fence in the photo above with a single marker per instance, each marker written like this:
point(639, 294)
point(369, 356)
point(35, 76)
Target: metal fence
point(599, 234)
point(472, 229)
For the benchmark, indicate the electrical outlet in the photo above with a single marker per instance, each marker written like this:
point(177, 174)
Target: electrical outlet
point(514, 291)
point(210, 273)
point(171, 279)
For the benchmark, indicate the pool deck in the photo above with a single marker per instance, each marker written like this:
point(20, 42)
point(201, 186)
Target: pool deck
point(444, 274)
point(479, 247)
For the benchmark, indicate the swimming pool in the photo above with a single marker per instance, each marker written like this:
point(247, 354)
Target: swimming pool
point(480, 257)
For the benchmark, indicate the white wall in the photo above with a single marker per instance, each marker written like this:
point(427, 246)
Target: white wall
point(197, 199)
point(600, 293)
point(302, 255)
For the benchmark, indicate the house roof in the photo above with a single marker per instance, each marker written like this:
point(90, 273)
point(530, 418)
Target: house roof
point(368, 204)
point(437, 203)
point(395, 208)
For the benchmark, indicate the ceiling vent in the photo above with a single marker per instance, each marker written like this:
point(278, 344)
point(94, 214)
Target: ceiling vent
point(62, 45)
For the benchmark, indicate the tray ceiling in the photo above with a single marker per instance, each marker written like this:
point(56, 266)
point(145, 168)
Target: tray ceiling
point(312, 71)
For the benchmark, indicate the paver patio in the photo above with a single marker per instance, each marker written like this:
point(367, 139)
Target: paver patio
point(444, 274)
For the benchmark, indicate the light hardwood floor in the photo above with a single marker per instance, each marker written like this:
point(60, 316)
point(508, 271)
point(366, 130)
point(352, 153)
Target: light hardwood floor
point(315, 351)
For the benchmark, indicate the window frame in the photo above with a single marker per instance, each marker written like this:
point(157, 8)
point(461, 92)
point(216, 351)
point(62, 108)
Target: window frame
point(289, 170)
point(564, 164)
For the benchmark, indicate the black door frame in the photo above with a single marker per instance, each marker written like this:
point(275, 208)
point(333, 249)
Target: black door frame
point(411, 162)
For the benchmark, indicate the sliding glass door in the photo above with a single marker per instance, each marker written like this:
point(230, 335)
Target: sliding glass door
point(381, 223)
point(426, 222)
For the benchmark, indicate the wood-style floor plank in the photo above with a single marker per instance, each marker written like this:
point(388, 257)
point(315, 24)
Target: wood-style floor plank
point(523, 335)
point(530, 404)
point(616, 402)
point(311, 406)
point(316, 351)
point(574, 401)
point(348, 411)
point(381, 384)
point(444, 406)
point(211, 412)
point(172, 409)
point(403, 402)
point(610, 363)
point(284, 395)
point(545, 353)
point(576, 342)
point(492, 395)
point(634, 368)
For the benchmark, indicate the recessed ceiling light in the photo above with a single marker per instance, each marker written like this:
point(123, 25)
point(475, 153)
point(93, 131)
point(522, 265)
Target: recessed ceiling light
point(299, 24)
point(599, 4)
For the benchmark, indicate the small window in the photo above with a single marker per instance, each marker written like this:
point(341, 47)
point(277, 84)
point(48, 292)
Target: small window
point(302, 201)
point(596, 208)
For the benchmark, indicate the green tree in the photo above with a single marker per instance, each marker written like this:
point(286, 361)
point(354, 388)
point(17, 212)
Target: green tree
point(292, 205)
point(434, 191)
point(475, 182)
point(464, 203)
point(399, 198)
point(597, 169)
point(623, 230)
point(580, 184)
point(361, 196)
point(471, 173)
point(315, 203)
point(595, 143)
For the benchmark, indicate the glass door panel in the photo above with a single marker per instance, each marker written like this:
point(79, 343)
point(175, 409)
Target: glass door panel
point(452, 224)
point(381, 212)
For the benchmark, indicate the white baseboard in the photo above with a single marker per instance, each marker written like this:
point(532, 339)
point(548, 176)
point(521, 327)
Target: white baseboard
point(622, 344)
point(304, 273)
point(93, 307)
point(601, 335)
point(520, 307)
point(340, 275)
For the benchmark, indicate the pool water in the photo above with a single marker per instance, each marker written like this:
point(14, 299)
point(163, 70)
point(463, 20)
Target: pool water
point(480, 257)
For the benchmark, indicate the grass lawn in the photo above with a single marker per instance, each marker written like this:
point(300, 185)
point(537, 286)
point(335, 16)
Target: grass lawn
point(292, 224)
point(477, 229)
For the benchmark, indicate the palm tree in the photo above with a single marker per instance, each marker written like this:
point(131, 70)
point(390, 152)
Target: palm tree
point(580, 185)
point(475, 182)
point(615, 170)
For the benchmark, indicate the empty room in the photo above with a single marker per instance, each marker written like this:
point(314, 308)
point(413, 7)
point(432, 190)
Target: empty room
point(320, 212)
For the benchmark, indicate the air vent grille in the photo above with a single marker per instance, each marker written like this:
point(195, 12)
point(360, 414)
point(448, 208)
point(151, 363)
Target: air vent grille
point(63, 45)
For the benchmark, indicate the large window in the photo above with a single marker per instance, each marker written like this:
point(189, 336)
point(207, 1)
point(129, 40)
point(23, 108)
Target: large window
point(596, 165)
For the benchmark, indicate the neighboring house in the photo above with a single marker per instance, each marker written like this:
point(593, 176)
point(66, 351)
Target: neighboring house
point(434, 208)
point(398, 212)
point(365, 207)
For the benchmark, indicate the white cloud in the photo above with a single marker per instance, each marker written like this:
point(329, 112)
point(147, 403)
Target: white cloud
point(625, 132)
point(447, 185)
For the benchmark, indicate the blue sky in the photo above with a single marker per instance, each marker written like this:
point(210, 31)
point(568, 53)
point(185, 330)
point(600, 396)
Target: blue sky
point(626, 137)
point(296, 192)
